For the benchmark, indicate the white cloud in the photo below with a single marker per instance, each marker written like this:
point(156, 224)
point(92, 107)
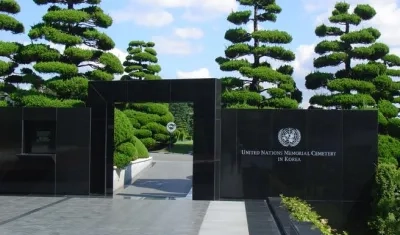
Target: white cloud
point(143, 17)
point(303, 63)
point(211, 6)
point(189, 33)
point(384, 22)
point(173, 46)
point(250, 27)
point(58, 47)
point(199, 73)
point(153, 13)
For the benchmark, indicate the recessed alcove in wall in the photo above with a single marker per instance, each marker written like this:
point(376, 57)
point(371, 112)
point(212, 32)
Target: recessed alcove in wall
point(39, 136)
point(45, 151)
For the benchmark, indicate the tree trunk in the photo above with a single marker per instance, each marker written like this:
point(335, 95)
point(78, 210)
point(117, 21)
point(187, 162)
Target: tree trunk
point(254, 83)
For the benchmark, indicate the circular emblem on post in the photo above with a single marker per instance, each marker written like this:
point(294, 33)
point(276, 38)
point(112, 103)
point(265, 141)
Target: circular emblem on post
point(289, 137)
point(171, 127)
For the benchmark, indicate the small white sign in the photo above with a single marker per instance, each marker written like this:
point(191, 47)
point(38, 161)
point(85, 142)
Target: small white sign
point(171, 127)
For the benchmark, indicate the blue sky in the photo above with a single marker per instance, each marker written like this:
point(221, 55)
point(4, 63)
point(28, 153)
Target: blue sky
point(189, 34)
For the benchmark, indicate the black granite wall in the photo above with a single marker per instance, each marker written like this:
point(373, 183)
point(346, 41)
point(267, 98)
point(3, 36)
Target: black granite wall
point(326, 157)
point(45, 151)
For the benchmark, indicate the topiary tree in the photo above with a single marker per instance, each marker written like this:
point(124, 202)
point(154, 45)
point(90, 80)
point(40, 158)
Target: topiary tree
point(262, 46)
point(366, 85)
point(8, 50)
point(149, 121)
point(85, 56)
point(141, 63)
point(354, 85)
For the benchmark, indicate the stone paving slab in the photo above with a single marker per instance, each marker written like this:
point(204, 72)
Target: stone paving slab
point(225, 218)
point(15, 206)
point(105, 216)
point(259, 219)
point(170, 176)
point(100, 216)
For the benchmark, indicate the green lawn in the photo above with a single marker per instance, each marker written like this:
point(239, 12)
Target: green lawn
point(183, 147)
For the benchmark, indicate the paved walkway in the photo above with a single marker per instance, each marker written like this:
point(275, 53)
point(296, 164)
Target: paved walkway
point(170, 177)
point(105, 216)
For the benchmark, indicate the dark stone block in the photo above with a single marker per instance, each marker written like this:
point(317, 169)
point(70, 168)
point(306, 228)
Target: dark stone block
point(73, 151)
point(326, 157)
point(45, 151)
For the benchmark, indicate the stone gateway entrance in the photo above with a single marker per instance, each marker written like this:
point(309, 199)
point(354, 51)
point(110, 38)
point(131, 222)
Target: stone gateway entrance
point(326, 157)
point(205, 94)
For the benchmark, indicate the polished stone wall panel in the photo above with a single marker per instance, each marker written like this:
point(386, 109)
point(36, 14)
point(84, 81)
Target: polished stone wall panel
point(332, 166)
point(60, 168)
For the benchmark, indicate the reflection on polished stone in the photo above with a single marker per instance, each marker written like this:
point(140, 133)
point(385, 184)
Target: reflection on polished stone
point(317, 155)
point(45, 151)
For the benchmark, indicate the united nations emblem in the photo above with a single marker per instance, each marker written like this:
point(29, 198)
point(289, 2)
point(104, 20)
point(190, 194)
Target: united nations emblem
point(289, 137)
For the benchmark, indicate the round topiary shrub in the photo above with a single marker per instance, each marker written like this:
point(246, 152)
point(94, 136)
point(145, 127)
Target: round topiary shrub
point(123, 131)
point(128, 149)
point(156, 128)
point(142, 151)
point(162, 138)
point(43, 101)
point(388, 149)
point(387, 109)
point(121, 160)
point(152, 108)
point(150, 143)
point(149, 121)
point(124, 140)
point(142, 133)
point(164, 119)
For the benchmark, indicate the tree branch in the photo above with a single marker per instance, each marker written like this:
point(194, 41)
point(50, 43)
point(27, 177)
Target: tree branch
point(90, 65)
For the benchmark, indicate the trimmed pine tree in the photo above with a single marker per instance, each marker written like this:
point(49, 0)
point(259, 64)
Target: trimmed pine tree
point(251, 54)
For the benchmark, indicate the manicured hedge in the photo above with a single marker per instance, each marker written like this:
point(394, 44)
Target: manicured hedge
point(149, 121)
point(386, 217)
point(388, 149)
point(142, 151)
point(386, 220)
point(127, 147)
point(44, 101)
